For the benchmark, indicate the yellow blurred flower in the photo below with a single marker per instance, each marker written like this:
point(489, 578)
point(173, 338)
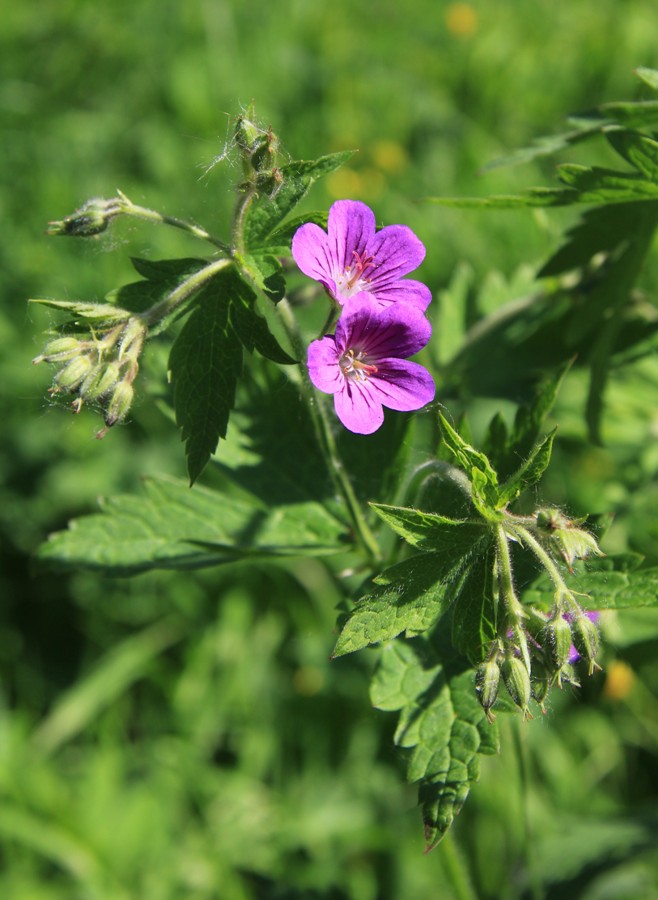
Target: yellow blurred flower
point(389, 156)
point(619, 680)
point(461, 19)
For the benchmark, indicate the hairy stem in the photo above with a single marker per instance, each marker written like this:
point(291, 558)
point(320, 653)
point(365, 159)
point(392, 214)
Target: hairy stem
point(190, 286)
point(128, 208)
point(527, 538)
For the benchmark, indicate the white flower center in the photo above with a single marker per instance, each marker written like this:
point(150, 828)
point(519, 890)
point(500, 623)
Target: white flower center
point(353, 280)
point(354, 365)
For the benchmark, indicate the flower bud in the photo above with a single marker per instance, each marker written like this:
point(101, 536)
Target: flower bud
point(586, 639)
point(571, 541)
point(556, 636)
point(132, 339)
point(100, 381)
point(120, 403)
point(259, 147)
point(517, 681)
point(92, 218)
point(59, 350)
point(487, 678)
point(540, 684)
point(73, 373)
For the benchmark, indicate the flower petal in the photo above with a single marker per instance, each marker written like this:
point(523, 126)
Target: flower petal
point(399, 329)
point(402, 385)
point(351, 226)
point(323, 368)
point(397, 252)
point(311, 251)
point(406, 290)
point(358, 408)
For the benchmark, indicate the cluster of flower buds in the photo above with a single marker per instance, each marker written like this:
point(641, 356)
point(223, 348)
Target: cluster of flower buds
point(509, 662)
point(99, 369)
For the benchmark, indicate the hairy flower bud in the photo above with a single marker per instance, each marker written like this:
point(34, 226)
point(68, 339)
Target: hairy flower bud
point(258, 146)
point(73, 373)
point(556, 636)
point(119, 404)
point(570, 541)
point(487, 678)
point(517, 681)
point(59, 350)
point(100, 381)
point(92, 218)
point(586, 639)
point(132, 339)
point(540, 684)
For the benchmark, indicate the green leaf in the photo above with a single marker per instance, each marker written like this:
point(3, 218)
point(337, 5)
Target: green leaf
point(599, 230)
point(160, 278)
point(173, 527)
point(96, 312)
point(476, 465)
point(474, 607)
point(250, 327)
point(206, 362)
point(441, 724)
point(543, 146)
point(648, 76)
point(638, 149)
point(280, 240)
point(530, 472)
point(598, 185)
point(271, 207)
point(540, 196)
point(410, 595)
point(266, 273)
point(429, 531)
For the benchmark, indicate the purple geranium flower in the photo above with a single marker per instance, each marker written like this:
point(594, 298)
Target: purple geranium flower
point(351, 257)
point(365, 366)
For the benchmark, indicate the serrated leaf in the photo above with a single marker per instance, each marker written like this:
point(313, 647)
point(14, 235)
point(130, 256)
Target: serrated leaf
point(430, 531)
point(599, 230)
point(474, 610)
point(637, 149)
point(266, 273)
point(409, 597)
point(170, 526)
point(274, 203)
point(251, 328)
point(478, 468)
point(529, 473)
point(441, 723)
point(280, 240)
point(543, 146)
point(532, 197)
point(598, 185)
point(205, 364)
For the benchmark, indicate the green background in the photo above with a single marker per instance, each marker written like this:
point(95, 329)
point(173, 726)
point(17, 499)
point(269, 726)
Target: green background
point(226, 757)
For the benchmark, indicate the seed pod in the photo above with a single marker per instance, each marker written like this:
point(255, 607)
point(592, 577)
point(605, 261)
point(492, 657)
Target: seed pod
point(73, 373)
point(487, 678)
point(586, 639)
point(517, 681)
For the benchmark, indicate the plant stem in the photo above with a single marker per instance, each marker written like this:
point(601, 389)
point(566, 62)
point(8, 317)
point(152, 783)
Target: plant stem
point(184, 290)
point(128, 208)
point(455, 870)
point(239, 218)
point(327, 442)
point(506, 583)
point(527, 538)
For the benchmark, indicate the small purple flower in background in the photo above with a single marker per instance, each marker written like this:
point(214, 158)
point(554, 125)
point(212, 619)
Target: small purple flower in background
point(352, 257)
point(365, 366)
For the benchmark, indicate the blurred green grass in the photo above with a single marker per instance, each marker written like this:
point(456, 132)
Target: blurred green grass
point(236, 762)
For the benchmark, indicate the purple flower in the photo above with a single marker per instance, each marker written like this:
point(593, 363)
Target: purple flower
point(351, 257)
point(365, 366)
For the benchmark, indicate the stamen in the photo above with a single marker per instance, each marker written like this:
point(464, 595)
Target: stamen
point(356, 271)
point(352, 365)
